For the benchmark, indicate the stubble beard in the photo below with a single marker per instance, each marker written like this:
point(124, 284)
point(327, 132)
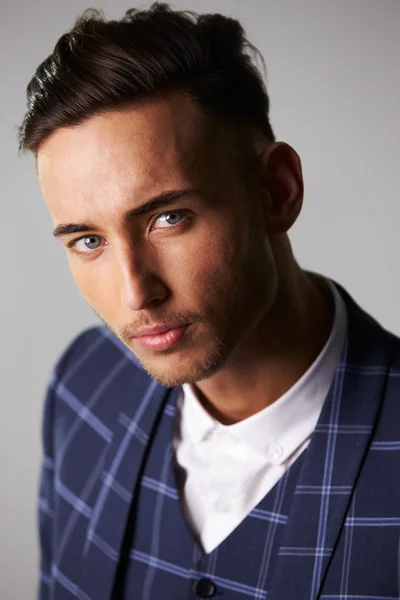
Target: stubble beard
point(243, 298)
point(251, 292)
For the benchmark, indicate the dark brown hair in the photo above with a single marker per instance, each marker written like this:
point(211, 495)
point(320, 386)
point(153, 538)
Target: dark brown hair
point(101, 65)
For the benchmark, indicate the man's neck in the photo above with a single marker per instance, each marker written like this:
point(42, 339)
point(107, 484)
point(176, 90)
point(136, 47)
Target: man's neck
point(274, 355)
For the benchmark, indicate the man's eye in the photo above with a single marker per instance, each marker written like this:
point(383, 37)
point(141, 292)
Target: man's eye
point(83, 245)
point(168, 219)
point(90, 243)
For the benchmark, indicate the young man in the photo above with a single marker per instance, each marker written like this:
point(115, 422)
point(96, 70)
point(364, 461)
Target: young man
point(233, 428)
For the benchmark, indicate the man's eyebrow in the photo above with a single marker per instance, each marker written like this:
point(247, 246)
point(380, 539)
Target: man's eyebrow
point(159, 201)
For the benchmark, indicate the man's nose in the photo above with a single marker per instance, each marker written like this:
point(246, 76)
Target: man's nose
point(140, 283)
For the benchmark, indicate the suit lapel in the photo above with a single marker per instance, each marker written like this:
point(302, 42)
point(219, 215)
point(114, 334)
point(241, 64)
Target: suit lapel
point(122, 467)
point(333, 459)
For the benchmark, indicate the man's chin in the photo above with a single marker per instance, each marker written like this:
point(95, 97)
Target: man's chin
point(172, 375)
point(175, 370)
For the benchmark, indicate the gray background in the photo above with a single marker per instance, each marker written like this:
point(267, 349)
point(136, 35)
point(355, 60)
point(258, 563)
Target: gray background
point(334, 82)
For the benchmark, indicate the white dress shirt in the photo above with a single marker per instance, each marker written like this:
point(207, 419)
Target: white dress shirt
point(230, 468)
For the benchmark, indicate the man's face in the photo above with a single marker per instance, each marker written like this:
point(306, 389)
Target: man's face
point(202, 259)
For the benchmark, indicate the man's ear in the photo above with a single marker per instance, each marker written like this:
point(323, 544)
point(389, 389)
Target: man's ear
point(282, 180)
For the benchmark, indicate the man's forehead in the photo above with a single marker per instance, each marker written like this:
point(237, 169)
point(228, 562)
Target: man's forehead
point(167, 128)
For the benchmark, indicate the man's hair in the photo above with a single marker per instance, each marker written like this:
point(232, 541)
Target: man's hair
point(104, 65)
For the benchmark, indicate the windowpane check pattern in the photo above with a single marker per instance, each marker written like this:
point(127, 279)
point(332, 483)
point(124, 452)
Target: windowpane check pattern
point(110, 518)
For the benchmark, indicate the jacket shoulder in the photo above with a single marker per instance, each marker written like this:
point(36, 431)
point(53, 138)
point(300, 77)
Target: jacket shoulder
point(394, 342)
point(90, 355)
point(92, 379)
point(92, 343)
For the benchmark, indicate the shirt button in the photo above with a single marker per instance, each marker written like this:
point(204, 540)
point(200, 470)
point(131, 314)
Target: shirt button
point(209, 435)
point(205, 588)
point(276, 451)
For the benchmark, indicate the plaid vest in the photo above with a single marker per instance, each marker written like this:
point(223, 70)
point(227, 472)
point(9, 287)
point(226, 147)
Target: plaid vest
point(165, 560)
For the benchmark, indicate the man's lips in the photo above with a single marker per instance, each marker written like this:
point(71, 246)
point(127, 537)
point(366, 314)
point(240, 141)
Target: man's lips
point(161, 338)
point(157, 329)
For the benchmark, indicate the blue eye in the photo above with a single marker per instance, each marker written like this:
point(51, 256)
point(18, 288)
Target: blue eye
point(87, 249)
point(166, 220)
point(84, 239)
point(169, 219)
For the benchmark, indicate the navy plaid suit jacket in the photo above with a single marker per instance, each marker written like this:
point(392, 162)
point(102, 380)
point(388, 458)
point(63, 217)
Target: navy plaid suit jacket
point(343, 532)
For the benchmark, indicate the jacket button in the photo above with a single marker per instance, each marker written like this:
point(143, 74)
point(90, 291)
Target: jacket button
point(205, 588)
